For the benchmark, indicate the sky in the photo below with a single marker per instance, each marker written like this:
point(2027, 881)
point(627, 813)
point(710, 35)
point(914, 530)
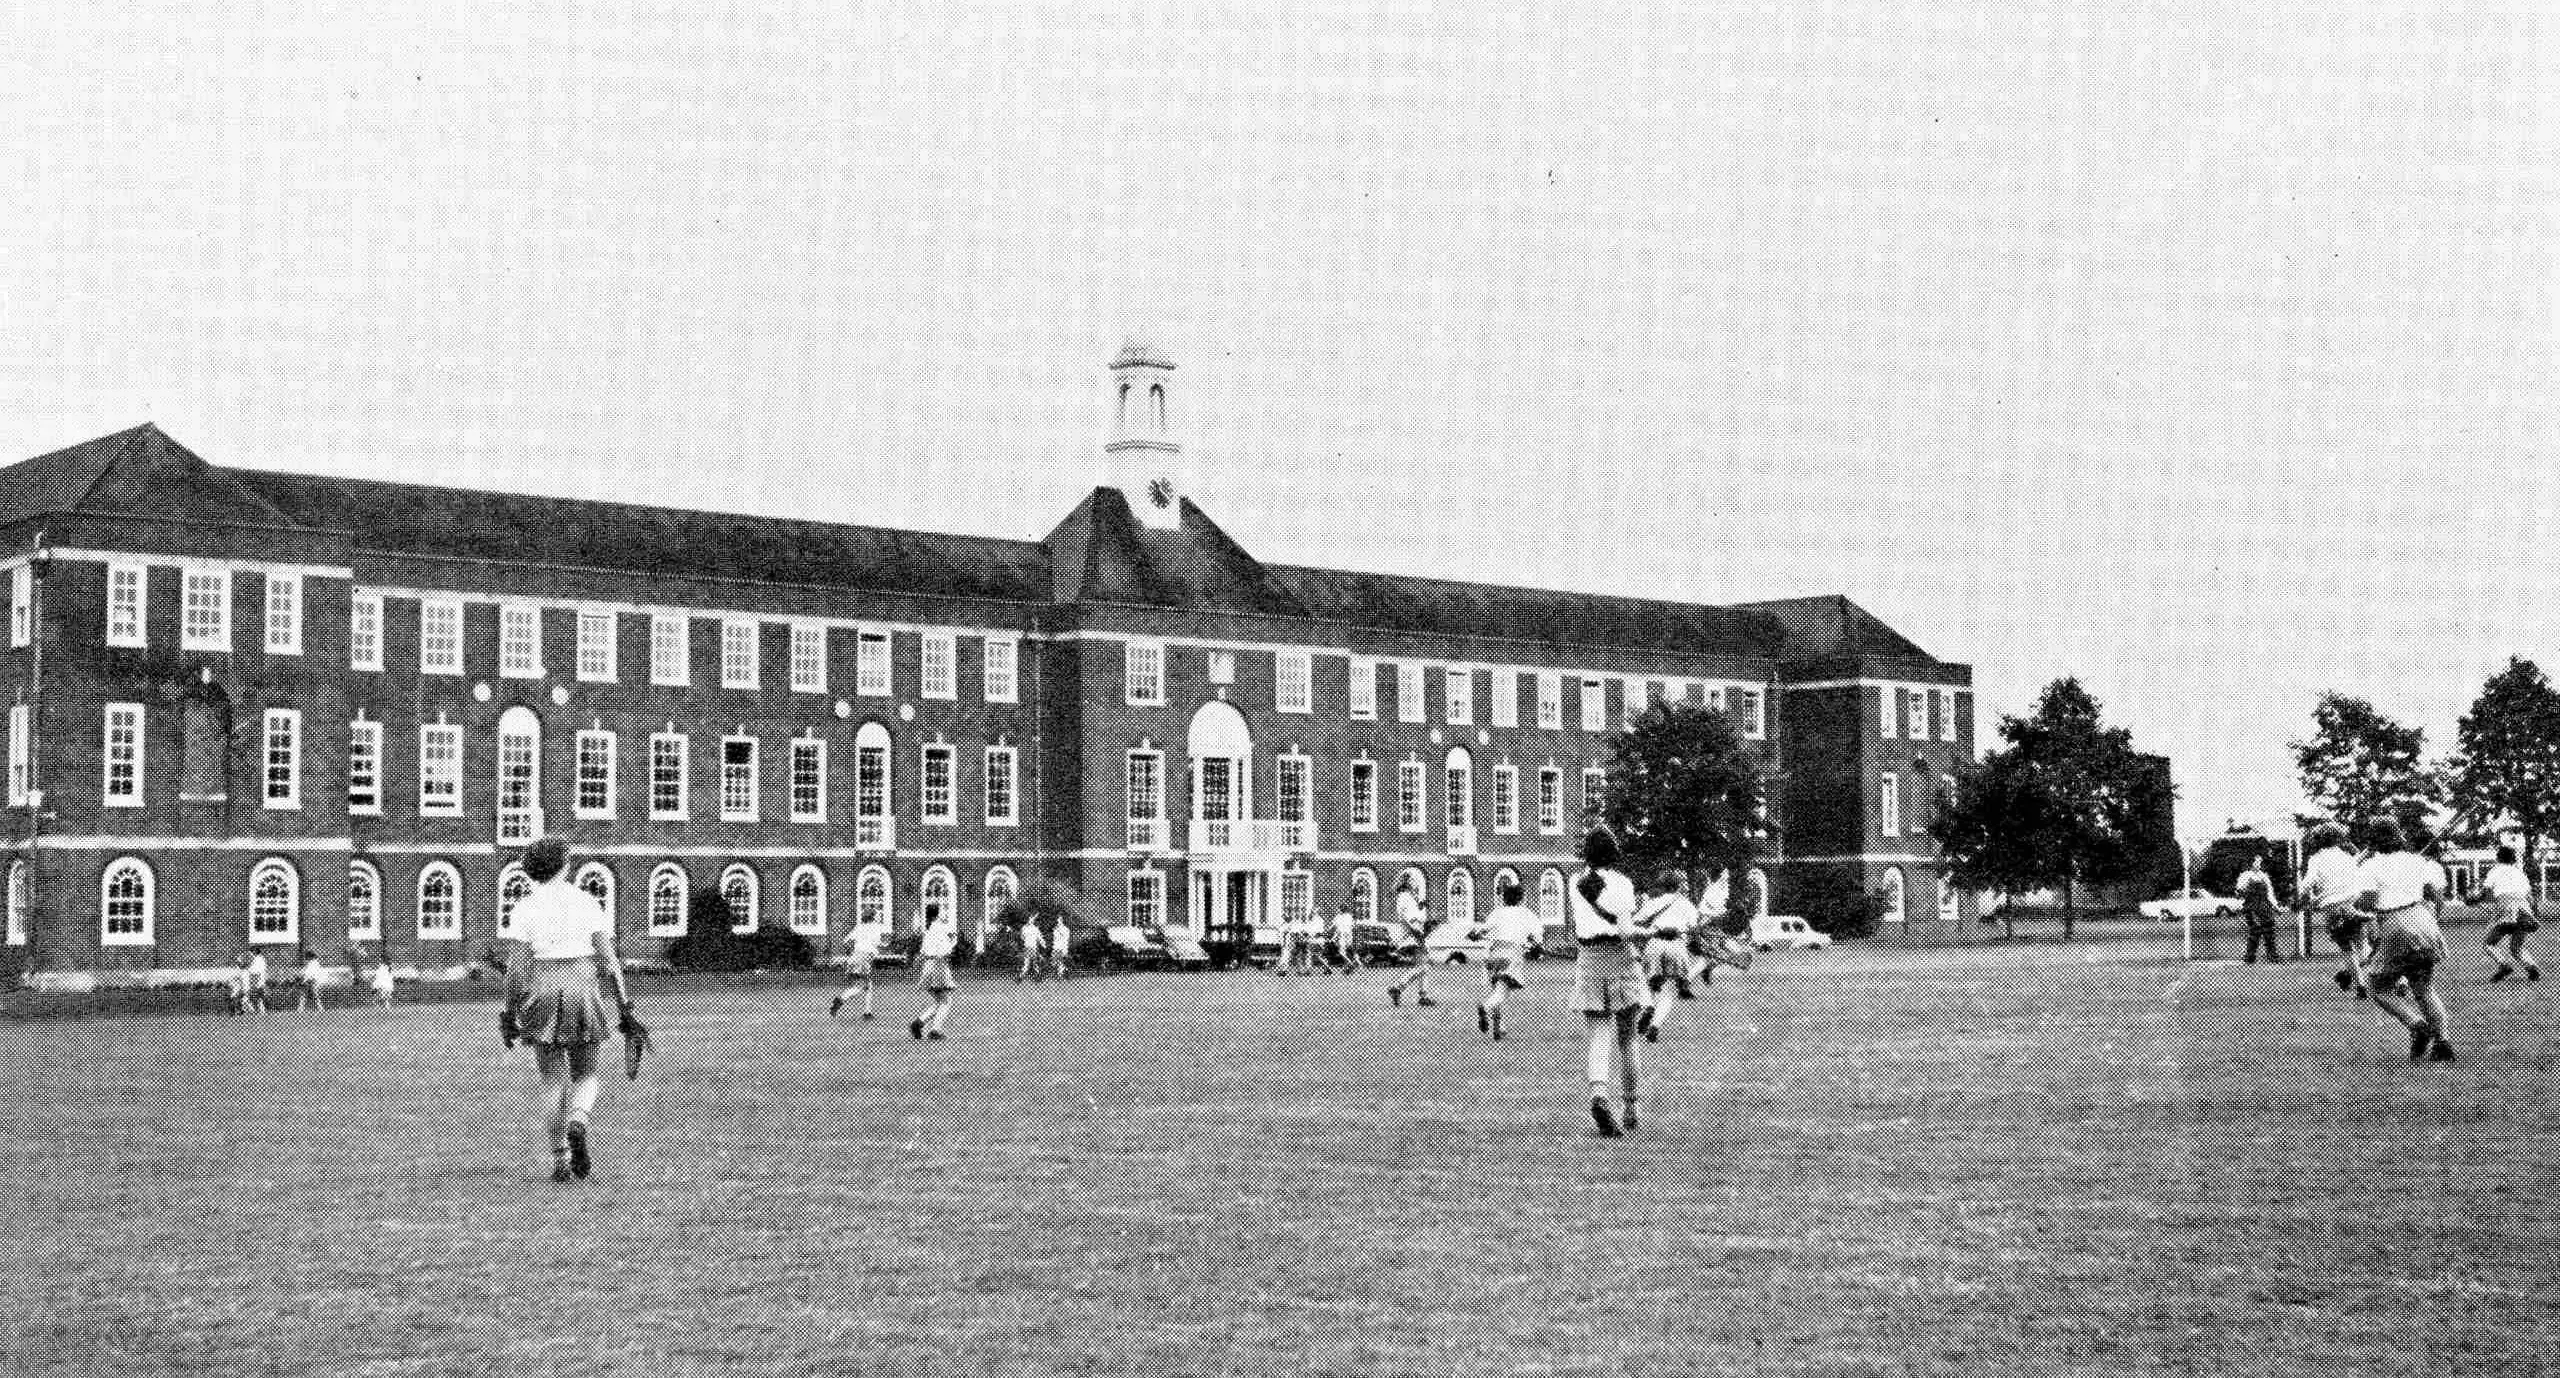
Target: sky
point(2202, 351)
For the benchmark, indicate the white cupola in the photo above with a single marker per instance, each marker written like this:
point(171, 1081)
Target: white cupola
point(1146, 463)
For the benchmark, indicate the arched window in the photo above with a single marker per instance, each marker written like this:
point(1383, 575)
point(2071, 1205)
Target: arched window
point(1461, 795)
point(1155, 399)
point(364, 900)
point(668, 886)
point(1364, 896)
point(1462, 902)
point(936, 897)
point(596, 879)
point(125, 901)
point(871, 896)
point(1893, 896)
point(1001, 886)
point(1501, 878)
point(738, 889)
point(17, 902)
point(1550, 898)
point(809, 901)
point(439, 901)
point(1123, 416)
point(871, 823)
point(275, 902)
point(513, 886)
point(1948, 911)
point(519, 776)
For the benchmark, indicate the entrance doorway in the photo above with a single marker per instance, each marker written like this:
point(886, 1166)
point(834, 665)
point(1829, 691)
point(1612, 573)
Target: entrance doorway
point(1226, 908)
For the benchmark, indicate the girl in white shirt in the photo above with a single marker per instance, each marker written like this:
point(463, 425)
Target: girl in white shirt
point(560, 965)
point(933, 972)
point(1415, 920)
point(1507, 931)
point(2511, 917)
point(1608, 976)
point(861, 953)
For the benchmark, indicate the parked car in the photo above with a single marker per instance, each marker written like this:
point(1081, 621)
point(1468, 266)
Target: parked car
point(1380, 944)
point(1449, 944)
point(2194, 904)
point(1769, 932)
point(1132, 946)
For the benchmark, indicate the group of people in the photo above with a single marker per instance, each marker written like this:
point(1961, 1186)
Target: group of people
point(249, 984)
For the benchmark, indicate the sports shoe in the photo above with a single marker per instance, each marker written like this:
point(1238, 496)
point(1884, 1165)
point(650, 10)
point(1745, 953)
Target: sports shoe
point(2533, 973)
point(2441, 1052)
point(866, 1014)
point(1497, 1028)
point(1652, 1032)
point(579, 1163)
point(1424, 1000)
point(1484, 1021)
point(1600, 1116)
point(1627, 1117)
point(2501, 974)
point(933, 1033)
point(1395, 996)
point(915, 1027)
point(560, 1170)
point(2345, 981)
point(2421, 1038)
point(835, 1007)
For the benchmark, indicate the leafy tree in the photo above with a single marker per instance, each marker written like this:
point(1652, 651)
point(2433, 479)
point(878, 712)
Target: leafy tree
point(2359, 766)
point(2506, 760)
point(2068, 802)
point(1686, 793)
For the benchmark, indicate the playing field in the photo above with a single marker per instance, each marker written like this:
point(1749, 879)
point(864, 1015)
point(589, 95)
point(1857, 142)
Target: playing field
point(2037, 1159)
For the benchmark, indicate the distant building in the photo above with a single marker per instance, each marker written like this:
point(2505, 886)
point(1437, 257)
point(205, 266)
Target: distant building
point(252, 708)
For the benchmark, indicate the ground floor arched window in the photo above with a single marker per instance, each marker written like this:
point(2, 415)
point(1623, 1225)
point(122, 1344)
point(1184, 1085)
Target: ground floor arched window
point(275, 902)
point(809, 902)
point(738, 890)
point(364, 901)
point(125, 900)
point(668, 886)
point(1892, 891)
point(439, 901)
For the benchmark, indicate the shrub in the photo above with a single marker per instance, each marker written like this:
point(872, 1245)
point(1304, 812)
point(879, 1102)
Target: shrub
point(711, 944)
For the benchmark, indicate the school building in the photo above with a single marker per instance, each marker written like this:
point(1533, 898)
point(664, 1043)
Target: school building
point(261, 709)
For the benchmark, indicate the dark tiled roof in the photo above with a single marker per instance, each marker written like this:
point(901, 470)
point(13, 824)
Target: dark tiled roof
point(137, 471)
point(409, 519)
point(1406, 603)
point(1832, 625)
point(1101, 553)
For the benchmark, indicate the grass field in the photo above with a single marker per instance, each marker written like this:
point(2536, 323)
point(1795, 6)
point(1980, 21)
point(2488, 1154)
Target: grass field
point(2039, 1159)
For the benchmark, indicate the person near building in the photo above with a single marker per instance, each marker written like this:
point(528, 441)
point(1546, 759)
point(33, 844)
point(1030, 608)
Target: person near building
point(306, 993)
point(1035, 950)
point(561, 965)
point(2330, 883)
point(861, 957)
point(1061, 937)
point(2258, 910)
point(2401, 891)
point(1508, 931)
point(1346, 950)
point(941, 938)
point(1414, 918)
point(1608, 978)
point(384, 982)
point(2512, 916)
point(1666, 918)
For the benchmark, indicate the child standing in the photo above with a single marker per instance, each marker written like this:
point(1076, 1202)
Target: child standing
point(253, 979)
point(940, 939)
point(1608, 977)
point(382, 981)
point(1346, 957)
point(309, 994)
point(1059, 938)
point(861, 953)
point(1416, 922)
point(1508, 931)
point(1035, 949)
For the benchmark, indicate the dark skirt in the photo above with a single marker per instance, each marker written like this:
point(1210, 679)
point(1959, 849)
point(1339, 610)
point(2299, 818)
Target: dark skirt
point(565, 1006)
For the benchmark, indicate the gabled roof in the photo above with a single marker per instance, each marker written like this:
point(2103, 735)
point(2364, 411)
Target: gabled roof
point(1102, 554)
point(140, 471)
point(1408, 603)
point(1832, 625)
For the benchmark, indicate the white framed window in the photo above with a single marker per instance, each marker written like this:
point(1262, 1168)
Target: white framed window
point(1142, 672)
point(996, 892)
point(1362, 900)
point(739, 645)
point(1894, 909)
point(1551, 700)
point(283, 775)
point(1550, 800)
point(1293, 685)
point(1293, 789)
point(1889, 804)
point(364, 901)
point(670, 649)
point(284, 614)
point(19, 750)
point(439, 636)
point(1595, 793)
point(1409, 692)
point(1364, 688)
point(1889, 713)
point(439, 770)
point(1458, 900)
point(519, 776)
point(741, 890)
point(1506, 698)
point(204, 610)
point(667, 795)
point(1001, 662)
point(874, 897)
point(1297, 896)
point(1222, 667)
point(1550, 898)
point(808, 780)
point(275, 902)
point(1631, 696)
point(1364, 796)
point(1506, 798)
point(1458, 695)
point(941, 666)
point(1000, 792)
point(738, 779)
point(1146, 898)
point(514, 887)
point(128, 586)
point(669, 889)
point(439, 901)
point(519, 641)
point(938, 802)
point(599, 659)
point(123, 756)
point(16, 934)
point(808, 658)
point(1145, 778)
point(1746, 705)
point(595, 794)
point(364, 631)
point(871, 663)
point(936, 895)
point(1947, 717)
point(1595, 704)
point(871, 783)
point(1409, 806)
point(126, 902)
point(364, 767)
point(596, 879)
point(808, 901)
point(22, 605)
point(1915, 707)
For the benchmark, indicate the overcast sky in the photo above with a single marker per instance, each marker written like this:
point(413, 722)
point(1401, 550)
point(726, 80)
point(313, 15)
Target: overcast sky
point(2204, 351)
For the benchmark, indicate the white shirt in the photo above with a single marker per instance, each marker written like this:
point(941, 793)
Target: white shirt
point(1515, 925)
point(560, 920)
point(382, 976)
point(1617, 907)
point(2331, 878)
point(1409, 912)
point(1032, 938)
point(2506, 881)
point(1058, 938)
point(2396, 880)
point(1669, 915)
point(866, 940)
point(257, 967)
point(311, 972)
point(940, 940)
point(1342, 926)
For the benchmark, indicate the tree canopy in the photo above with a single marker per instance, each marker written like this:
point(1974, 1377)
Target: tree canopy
point(2359, 766)
point(2506, 760)
point(1686, 792)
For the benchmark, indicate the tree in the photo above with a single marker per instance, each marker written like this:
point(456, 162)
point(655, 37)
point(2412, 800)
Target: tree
point(1686, 793)
point(2506, 759)
point(2068, 802)
point(2359, 766)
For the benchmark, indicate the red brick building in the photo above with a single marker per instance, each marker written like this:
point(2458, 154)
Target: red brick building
point(252, 708)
